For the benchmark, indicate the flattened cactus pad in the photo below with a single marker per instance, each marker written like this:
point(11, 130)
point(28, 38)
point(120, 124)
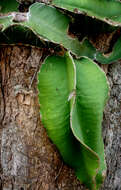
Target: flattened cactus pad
point(72, 96)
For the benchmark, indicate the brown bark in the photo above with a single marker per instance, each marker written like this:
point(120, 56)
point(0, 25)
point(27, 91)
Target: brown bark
point(29, 161)
point(112, 129)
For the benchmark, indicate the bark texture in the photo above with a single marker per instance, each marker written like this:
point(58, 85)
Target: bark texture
point(112, 129)
point(29, 161)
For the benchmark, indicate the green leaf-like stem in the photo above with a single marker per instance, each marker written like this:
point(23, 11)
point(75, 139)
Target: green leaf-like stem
point(5, 21)
point(43, 18)
point(94, 8)
point(86, 117)
point(72, 100)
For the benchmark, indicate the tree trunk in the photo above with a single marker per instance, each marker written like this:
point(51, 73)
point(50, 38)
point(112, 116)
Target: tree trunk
point(29, 161)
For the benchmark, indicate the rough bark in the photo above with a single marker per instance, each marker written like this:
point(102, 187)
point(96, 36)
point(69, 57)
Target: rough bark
point(29, 160)
point(112, 129)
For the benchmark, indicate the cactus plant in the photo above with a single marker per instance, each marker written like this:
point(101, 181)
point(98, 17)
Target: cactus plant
point(75, 126)
point(73, 90)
